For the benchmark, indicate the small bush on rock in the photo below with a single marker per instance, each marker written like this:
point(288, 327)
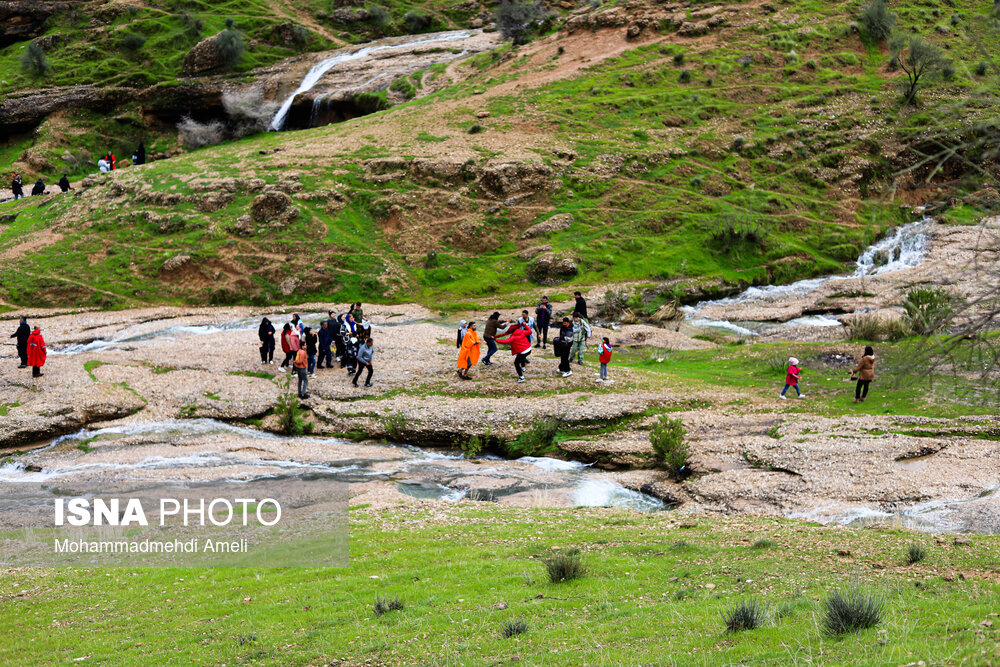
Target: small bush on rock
point(669, 448)
point(877, 19)
point(33, 61)
point(230, 45)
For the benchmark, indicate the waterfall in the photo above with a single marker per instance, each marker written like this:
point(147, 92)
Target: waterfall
point(320, 69)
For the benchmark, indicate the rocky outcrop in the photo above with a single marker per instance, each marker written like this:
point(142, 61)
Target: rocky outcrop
point(21, 21)
point(272, 206)
point(501, 180)
point(203, 57)
point(552, 269)
point(554, 224)
point(23, 427)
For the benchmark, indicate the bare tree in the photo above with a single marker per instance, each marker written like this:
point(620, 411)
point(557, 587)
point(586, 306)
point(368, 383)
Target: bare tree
point(917, 58)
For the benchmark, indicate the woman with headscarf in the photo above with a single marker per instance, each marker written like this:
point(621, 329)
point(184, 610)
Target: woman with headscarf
point(289, 345)
point(265, 332)
point(36, 352)
point(16, 187)
point(468, 355)
point(865, 374)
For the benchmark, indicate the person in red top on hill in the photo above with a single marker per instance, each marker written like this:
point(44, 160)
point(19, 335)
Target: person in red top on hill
point(520, 346)
point(290, 344)
point(792, 378)
point(604, 352)
point(36, 352)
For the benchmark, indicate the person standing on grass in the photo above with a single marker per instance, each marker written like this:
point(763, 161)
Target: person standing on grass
point(543, 317)
point(301, 365)
point(325, 340)
point(36, 352)
point(289, 345)
point(265, 332)
point(312, 345)
point(366, 353)
point(604, 356)
point(489, 335)
point(792, 377)
point(468, 355)
point(581, 332)
point(562, 344)
point(17, 187)
point(519, 338)
point(865, 374)
point(580, 306)
point(22, 333)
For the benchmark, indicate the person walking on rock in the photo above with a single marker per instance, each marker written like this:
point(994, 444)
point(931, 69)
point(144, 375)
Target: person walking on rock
point(366, 353)
point(562, 344)
point(580, 306)
point(357, 312)
point(312, 345)
point(17, 187)
point(336, 325)
point(22, 333)
point(325, 340)
point(489, 335)
point(36, 352)
point(265, 332)
point(581, 332)
point(39, 188)
point(64, 184)
point(519, 338)
point(301, 365)
point(604, 356)
point(864, 372)
point(543, 318)
point(792, 377)
point(468, 355)
point(528, 321)
point(289, 345)
point(463, 326)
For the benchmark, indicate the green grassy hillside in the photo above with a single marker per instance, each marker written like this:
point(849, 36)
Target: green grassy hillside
point(760, 152)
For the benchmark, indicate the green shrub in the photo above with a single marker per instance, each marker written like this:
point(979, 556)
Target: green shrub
point(476, 129)
point(851, 610)
point(34, 62)
point(746, 615)
point(678, 59)
point(877, 19)
point(133, 42)
point(368, 103)
point(915, 553)
point(564, 566)
point(417, 22)
point(669, 448)
point(685, 76)
point(289, 412)
point(379, 17)
point(230, 46)
point(513, 628)
point(764, 544)
point(395, 425)
point(871, 327)
point(929, 310)
point(537, 440)
point(515, 19)
point(385, 605)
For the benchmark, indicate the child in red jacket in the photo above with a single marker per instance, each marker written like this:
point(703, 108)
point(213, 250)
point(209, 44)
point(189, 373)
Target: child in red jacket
point(604, 356)
point(792, 378)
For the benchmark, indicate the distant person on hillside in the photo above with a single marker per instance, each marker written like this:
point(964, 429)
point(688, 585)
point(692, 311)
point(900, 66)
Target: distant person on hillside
point(792, 376)
point(36, 352)
point(139, 157)
point(112, 161)
point(489, 335)
point(103, 166)
point(301, 365)
point(562, 345)
point(22, 333)
point(366, 353)
point(265, 332)
point(289, 345)
point(64, 184)
point(581, 305)
point(519, 339)
point(604, 356)
point(468, 355)
point(543, 318)
point(39, 188)
point(864, 372)
point(581, 332)
point(325, 340)
point(16, 187)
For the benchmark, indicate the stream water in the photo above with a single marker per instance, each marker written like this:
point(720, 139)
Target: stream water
point(316, 73)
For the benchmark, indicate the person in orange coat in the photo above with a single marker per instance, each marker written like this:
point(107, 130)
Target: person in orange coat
point(468, 356)
point(36, 352)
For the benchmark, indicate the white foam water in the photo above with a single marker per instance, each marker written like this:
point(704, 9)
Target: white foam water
point(605, 493)
point(314, 75)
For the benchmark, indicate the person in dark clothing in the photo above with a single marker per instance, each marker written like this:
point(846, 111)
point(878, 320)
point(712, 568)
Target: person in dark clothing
point(22, 333)
point(489, 335)
point(581, 306)
point(39, 188)
point(64, 184)
point(140, 155)
point(312, 343)
point(365, 355)
point(265, 332)
point(543, 318)
point(16, 187)
point(325, 339)
point(338, 336)
point(563, 345)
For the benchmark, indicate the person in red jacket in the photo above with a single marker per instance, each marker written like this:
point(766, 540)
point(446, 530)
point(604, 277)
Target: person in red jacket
point(290, 344)
point(520, 346)
point(36, 352)
point(605, 356)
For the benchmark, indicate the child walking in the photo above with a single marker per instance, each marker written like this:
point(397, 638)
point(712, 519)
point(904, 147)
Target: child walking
point(792, 378)
point(604, 356)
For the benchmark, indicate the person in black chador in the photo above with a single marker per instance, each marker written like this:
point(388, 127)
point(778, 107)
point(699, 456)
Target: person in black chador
point(64, 184)
point(22, 333)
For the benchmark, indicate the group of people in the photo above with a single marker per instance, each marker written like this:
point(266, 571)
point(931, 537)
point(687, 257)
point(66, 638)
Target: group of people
point(30, 347)
point(863, 374)
point(523, 332)
point(17, 187)
point(345, 339)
